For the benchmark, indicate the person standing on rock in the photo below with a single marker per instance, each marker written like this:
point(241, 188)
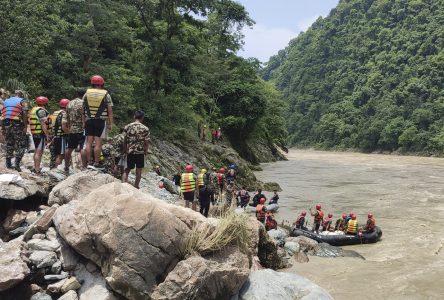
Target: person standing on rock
point(221, 182)
point(243, 197)
point(136, 143)
point(318, 218)
point(189, 187)
point(58, 145)
point(261, 210)
point(176, 181)
point(97, 118)
point(201, 178)
point(300, 221)
point(206, 196)
point(38, 121)
point(72, 122)
point(14, 126)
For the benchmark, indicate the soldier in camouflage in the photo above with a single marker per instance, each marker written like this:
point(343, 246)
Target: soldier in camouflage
point(14, 126)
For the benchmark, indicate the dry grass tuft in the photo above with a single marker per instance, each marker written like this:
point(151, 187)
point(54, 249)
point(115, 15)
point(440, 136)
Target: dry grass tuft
point(231, 229)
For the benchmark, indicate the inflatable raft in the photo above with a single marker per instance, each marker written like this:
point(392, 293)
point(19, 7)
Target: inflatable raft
point(270, 208)
point(340, 239)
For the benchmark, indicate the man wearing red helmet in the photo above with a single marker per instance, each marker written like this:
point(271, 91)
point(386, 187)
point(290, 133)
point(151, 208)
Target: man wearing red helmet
point(58, 143)
point(14, 125)
point(326, 225)
point(371, 223)
point(318, 217)
point(300, 221)
point(221, 181)
point(97, 117)
point(38, 121)
point(341, 223)
point(352, 226)
point(188, 184)
point(261, 210)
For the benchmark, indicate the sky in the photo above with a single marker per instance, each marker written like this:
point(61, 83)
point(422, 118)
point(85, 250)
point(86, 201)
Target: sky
point(279, 21)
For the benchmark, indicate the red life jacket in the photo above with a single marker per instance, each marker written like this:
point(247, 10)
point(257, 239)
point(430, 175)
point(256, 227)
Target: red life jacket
point(319, 217)
point(371, 224)
point(270, 224)
point(220, 178)
point(260, 213)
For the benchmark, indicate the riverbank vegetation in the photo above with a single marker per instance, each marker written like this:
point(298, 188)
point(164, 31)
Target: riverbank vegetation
point(369, 76)
point(173, 59)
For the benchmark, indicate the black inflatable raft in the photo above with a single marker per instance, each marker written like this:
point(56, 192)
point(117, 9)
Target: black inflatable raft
point(340, 240)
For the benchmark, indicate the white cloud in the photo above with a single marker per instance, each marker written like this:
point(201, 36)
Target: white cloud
point(262, 42)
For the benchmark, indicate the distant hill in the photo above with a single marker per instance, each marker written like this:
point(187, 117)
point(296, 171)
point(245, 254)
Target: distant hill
point(369, 76)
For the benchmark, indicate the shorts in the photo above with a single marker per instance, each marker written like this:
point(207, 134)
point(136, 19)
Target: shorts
point(59, 145)
point(135, 161)
point(39, 142)
point(75, 140)
point(188, 196)
point(95, 127)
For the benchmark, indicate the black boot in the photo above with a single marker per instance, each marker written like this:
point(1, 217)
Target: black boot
point(17, 164)
point(8, 163)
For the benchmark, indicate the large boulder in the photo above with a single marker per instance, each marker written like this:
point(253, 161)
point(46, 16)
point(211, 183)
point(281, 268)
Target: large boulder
point(12, 268)
point(78, 186)
point(268, 284)
point(14, 219)
point(268, 251)
point(14, 187)
point(134, 238)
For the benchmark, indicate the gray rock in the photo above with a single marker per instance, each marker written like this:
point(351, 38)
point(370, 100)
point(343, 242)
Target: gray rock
point(291, 247)
point(301, 257)
point(54, 288)
point(21, 190)
point(268, 284)
point(278, 235)
point(78, 186)
point(70, 295)
point(30, 232)
point(35, 288)
point(56, 268)
point(18, 231)
point(93, 285)
point(268, 251)
point(14, 219)
point(43, 259)
point(326, 250)
point(51, 234)
point(125, 233)
point(32, 217)
point(39, 236)
point(68, 257)
point(12, 268)
point(305, 243)
point(70, 284)
point(45, 221)
point(43, 245)
point(41, 296)
point(62, 275)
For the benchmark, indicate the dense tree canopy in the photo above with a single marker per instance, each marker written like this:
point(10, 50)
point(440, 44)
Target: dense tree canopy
point(369, 76)
point(175, 59)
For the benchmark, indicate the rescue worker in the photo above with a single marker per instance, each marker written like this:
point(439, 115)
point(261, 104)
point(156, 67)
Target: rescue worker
point(231, 174)
point(352, 226)
point(261, 210)
point(275, 198)
point(189, 186)
point(38, 121)
point(72, 122)
point(58, 145)
point(14, 126)
point(230, 193)
point(157, 170)
point(220, 181)
point(97, 118)
point(213, 135)
point(135, 146)
point(300, 221)
point(201, 178)
point(117, 153)
point(270, 222)
point(318, 217)
point(219, 135)
point(371, 224)
point(206, 196)
point(204, 133)
point(257, 197)
point(176, 181)
point(341, 223)
point(243, 198)
point(326, 225)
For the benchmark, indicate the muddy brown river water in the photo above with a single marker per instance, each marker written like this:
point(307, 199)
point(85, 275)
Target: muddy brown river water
point(406, 195)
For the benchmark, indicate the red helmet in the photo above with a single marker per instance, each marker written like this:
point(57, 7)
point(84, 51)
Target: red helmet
point(353, 216)
point(304, 213)
point(370, 215)
point(63, 103)
point(318, 206)
point(330, 215)
point(262, 201)
point(189, 168)
point(41, 100)
point(222, 170)
point(344, 216)
point(97, 80)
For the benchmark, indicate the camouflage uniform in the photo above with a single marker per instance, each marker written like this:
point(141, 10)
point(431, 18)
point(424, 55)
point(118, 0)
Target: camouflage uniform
point(16, 140)
point(108, 159)
point(117, 143)
point(73, 116)
point(136, 134)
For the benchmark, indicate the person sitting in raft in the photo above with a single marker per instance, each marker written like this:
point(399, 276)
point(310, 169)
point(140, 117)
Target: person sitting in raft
point(300, 221)
point(341, 223)
point(275, 198)
point(270, 222)
point(371, 224)
point(326, 225)
point(318, 217)
point(257, 197)
point(352, 226)
point(261, 210)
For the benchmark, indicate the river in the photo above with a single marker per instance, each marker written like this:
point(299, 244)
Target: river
point(406, 195)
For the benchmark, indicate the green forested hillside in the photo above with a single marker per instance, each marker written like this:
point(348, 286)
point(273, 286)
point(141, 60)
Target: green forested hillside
point(368, 76)
point(172, 58)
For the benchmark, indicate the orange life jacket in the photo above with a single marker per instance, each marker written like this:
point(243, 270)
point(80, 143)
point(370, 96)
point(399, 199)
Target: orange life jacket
point(260, 213)
point(319, 216)
point(371, 224)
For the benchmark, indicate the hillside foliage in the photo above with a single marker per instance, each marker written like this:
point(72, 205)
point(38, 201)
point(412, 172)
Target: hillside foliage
point(174, 59)
point(370, 76)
